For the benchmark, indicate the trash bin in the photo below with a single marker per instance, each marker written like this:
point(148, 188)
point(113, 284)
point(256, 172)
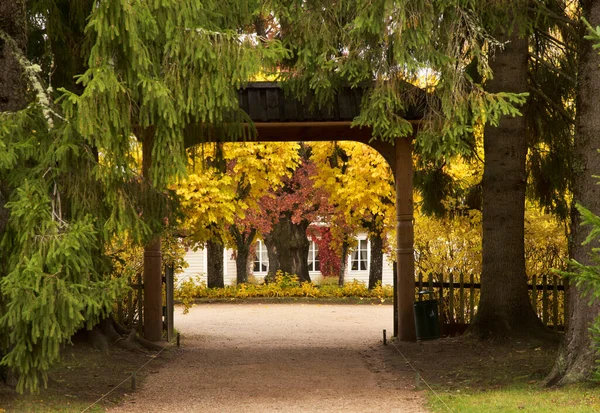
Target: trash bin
point(427, 321)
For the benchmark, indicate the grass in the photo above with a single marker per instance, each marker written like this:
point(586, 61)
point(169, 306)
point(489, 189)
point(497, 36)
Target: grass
point(81, 378)
point(521, 399)
point(472, 376)
point(49, 404)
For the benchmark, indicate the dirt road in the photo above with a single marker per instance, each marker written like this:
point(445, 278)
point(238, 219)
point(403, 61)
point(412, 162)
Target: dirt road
point(279, 358)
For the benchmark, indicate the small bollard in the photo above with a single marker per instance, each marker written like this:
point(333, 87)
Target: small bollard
point(133, 383)
point(384, 338)
point(178, 339)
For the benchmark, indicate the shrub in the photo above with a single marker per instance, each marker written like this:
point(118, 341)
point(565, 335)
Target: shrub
point(285, 285)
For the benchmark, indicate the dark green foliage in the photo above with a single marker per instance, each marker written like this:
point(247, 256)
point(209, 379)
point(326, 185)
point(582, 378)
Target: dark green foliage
point(587, 277)
point(551, 105)
point(71, 171)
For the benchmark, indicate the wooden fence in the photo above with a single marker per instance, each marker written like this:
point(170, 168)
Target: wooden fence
point(458, 298)
point(130, 310)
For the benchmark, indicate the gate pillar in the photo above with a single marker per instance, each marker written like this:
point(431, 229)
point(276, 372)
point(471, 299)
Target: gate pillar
point(153, 291)
point(405, 274)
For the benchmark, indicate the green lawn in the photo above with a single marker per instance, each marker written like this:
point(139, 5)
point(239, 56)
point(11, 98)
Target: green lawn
point(526, 399)
point(49, 404)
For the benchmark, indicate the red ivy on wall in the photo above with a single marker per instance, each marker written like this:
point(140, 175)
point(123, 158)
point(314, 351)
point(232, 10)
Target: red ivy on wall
point(330, 261)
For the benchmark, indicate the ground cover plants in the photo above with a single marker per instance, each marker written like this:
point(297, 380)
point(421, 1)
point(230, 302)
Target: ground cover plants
point(284, 286)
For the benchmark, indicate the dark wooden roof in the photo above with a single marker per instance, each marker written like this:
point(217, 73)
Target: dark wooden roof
point(267, 102)
point(280, 117)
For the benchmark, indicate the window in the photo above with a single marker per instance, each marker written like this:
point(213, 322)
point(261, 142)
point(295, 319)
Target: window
point(261, 259)
point(359, 258)
point(313, 257)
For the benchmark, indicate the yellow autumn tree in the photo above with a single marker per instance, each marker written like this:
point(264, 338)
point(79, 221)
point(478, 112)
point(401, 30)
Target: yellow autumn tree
point(222, 190)
point(361, 185)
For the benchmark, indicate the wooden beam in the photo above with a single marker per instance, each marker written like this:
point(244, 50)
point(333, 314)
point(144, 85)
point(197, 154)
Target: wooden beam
point(405, 275)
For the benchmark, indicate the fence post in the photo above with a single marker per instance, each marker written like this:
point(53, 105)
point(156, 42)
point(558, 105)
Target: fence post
point(169, 289)
point(472, 298)
point(545, 299)
point(555, 301)
point(430, 282)
point(534, 294)
point(140, 302)
point(451, 299)
point(461, 314)
point(420, 285)
point(441, 300)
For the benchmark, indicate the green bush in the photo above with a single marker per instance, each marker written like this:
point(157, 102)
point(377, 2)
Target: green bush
point(285, 285)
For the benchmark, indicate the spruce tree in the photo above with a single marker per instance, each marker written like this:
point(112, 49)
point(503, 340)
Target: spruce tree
point(71, 169)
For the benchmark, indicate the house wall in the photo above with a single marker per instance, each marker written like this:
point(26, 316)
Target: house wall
point(197, 267)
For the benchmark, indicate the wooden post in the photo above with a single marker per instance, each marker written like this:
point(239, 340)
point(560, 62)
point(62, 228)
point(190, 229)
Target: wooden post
point(545, 299)
point(534, 293)
point(461, 299)
point(451, 299)
point(405, 276)
point(555, 301)
point(395, 269)
point(169, 290)
point(472, 298)
point(153, 291)
point(152, 259)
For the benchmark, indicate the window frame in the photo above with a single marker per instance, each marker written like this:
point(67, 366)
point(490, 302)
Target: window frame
point(314, 261)
point(359, 257)
point(261, 258)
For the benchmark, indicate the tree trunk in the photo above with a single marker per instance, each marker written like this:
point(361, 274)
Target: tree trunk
point(504, 307)
point(12, 84)
point(243, 243)
point(575, 360)
point(376, 262)
point(12, 98)
point(272, 256)
point(292, 247)
point(214, 268)
point(344, 263)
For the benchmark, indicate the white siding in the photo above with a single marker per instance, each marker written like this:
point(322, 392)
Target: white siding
point(196, 265)
point(388, 270)
point(229, 269)
point(316, 277)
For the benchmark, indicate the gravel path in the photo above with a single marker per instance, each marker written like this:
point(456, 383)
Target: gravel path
point(279, 358)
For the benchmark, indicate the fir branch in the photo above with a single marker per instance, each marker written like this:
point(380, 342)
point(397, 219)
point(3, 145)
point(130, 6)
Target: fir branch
point(563, 112)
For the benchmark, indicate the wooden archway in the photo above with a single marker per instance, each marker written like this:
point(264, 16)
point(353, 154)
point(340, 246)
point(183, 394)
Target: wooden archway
point(281, 118)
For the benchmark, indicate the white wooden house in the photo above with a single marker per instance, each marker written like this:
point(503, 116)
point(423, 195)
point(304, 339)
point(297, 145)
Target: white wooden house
point(357, 265)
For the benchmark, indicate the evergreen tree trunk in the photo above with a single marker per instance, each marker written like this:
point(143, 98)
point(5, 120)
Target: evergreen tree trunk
point(504, 307)
point(292, 247)
point(214, 268)
point(376, 262)
point(575, 360)
point(243, 243)
point(13, 23)
point(344, 263)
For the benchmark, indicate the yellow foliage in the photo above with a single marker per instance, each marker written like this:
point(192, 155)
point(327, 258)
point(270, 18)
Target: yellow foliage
point(212, 200)
point(362, 187)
